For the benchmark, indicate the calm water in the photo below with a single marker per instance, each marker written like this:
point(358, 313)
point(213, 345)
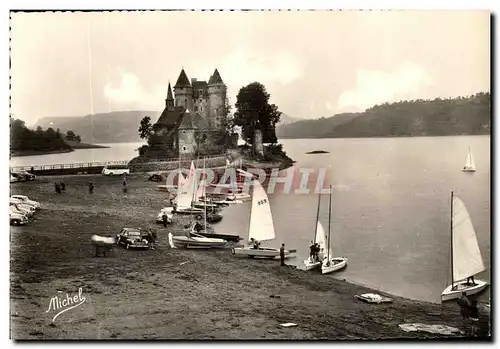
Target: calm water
point(116, 152)
point(390, 208)
point(390, 205)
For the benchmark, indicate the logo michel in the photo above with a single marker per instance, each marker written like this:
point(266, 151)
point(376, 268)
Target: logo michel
point(62, 304)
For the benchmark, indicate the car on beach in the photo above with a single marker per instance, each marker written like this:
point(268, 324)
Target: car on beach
point(25, 200)
point(23, 209)
point(18, 177)
point(28, 176)
point(17, 218)
point(132, 238)
point(111, 170)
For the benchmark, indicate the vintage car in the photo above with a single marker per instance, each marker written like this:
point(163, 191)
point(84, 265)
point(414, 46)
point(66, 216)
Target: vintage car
point(25, 200)
point(132, 238)
point(23, 209)
point(17, 218)
point(28, 176)
point(156, 178)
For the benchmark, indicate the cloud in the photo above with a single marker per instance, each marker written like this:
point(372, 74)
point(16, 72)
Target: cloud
point(128, 92)
point(376, 87)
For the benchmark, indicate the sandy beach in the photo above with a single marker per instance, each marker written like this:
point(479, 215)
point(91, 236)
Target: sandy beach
point(172, 293)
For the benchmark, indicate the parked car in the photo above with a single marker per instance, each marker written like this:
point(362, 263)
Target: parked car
point(115, 170)
point(25, 200)
point(132, 238)
point(168, 212)
point(28, 176)
point(17, 218)
point(156, 178)
point(19, 176)
point(13, 178)
point(23, 209)
point(31, 206)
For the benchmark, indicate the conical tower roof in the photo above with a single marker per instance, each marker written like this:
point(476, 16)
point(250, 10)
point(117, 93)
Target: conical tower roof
point(169, 93)
point(183, 80)
point(215, 78)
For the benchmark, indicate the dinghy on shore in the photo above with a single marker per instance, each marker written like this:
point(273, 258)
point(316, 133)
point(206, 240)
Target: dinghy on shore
point(261, 227)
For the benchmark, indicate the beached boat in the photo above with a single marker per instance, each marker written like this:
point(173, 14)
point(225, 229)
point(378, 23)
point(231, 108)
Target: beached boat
point(331, 264)
point(470, 166)
point(466, 259)
point(261, 226)
point(195, 241)
point(319, 238)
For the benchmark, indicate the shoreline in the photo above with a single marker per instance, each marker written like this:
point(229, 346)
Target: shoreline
point(21, 153)
point(177, 293)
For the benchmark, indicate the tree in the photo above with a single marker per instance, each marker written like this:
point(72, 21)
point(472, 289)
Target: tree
point(70, 136)
point(145, 129)
point(255, 113)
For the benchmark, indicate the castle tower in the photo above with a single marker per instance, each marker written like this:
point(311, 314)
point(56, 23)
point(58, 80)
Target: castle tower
point(183, 92)
point(187, 133)
point(216, 96)
point(169, 102)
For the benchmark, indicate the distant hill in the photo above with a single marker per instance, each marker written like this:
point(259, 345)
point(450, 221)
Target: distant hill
point(113, 127)
point(438, 117)
point(286, 119)
point(315, 128)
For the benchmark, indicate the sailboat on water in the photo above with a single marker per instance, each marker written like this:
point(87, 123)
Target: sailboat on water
point(261, 226)
point(319, 238)
point(470, 166)
point(330, 263)
point(466, 259)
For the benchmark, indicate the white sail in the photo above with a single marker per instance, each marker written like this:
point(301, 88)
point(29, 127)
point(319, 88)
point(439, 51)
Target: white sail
point(186, 191)
point(261, 219)
point(467, 260)
point(469, 163)
point(321, 238)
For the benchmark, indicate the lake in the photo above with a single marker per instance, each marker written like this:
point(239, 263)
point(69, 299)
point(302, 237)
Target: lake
point(390, 205)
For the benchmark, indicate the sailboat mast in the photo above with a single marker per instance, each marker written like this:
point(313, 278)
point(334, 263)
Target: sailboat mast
point(451, 235)
point(317, 218)
point(204, 188)
point(329, 223)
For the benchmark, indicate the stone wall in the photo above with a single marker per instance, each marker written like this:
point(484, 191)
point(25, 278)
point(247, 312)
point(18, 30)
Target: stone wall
point(219, 161)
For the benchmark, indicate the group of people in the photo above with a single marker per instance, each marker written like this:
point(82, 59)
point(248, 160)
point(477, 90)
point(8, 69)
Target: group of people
point(60, 187)
point(315, 249)
point(469, 311)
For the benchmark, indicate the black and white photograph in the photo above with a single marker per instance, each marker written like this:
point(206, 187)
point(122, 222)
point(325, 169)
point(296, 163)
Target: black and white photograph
point(304, 175)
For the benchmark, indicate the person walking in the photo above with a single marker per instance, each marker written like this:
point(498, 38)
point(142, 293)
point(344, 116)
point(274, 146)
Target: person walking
point(282, 254)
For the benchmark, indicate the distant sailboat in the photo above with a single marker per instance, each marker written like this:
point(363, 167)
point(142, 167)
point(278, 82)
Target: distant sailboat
point(469, 163)
point(466, 259)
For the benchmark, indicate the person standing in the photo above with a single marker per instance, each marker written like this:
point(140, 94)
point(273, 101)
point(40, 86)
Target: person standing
point(63, 187)
point(91, 188)
point(465, 308)
point(282, 254)
point(164, 219)
point(57, 188)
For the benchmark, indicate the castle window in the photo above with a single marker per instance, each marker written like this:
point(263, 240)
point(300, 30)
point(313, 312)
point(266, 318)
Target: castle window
point(184, 148)
point(195, 108)
point(183, 131)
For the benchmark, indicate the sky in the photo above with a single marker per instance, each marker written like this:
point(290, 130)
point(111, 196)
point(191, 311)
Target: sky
point(313, 63)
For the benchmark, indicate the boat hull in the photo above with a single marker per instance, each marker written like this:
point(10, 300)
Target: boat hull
point(197, 242)
point(468, 170)
point(335, 264)
point(310, 265)
point(261, 252)
point(232, 238)
point(450, 294)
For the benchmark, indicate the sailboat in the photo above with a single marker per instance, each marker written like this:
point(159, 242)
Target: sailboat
point(186, 193)
point(469, 163)
point(261, 226)
point(466, 259)
point(319, 238)
point(195, 240)
point(331, 264)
